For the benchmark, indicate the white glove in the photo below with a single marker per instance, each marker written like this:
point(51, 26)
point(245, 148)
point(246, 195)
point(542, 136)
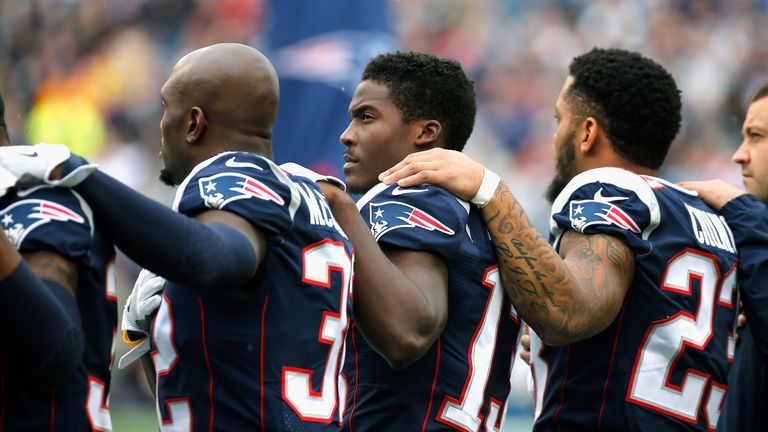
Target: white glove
point(7, 181)
point(32, 165)
point(138, 312)
point(298, 170)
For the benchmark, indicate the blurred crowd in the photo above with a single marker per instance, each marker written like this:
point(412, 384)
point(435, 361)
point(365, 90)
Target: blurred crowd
point(87, 73)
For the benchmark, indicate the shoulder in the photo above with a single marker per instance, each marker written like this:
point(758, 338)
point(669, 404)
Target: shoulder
point(426, 207)
point(48, 218)
point(251, 186)
point(609, 200)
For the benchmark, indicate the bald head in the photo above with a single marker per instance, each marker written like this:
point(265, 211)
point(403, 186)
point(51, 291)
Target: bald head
point(218, 98)
point(235, 85)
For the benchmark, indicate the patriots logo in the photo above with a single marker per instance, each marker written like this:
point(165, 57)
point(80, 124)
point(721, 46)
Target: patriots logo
point(220, 189)
point(386, 216)
point(600, 211)
point(20, 218)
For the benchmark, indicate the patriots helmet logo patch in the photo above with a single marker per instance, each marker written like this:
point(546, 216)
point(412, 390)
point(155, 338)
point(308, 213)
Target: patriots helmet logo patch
point(600, 211)
point(386, 216)
point(20, 218)
point(220, 189)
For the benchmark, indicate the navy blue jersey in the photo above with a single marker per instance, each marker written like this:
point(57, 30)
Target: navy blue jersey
point(662, 364)
point(58, 220)
point(269, 358)
point(743, 409)
point(462, 382)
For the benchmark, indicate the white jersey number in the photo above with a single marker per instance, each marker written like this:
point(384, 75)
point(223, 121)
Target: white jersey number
point(320, 260)
point(464, 413)
point(666, 340)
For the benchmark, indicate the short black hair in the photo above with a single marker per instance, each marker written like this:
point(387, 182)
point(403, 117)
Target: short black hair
point(423, 86)
point(759, 93)
point(634, 99)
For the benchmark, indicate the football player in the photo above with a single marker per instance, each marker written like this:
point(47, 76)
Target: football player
point(633, 303)
point(252, 319)
point(53, 228)
point(748, 379)
point(433, 338)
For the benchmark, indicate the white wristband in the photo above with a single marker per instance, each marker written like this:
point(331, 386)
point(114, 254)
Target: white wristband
point(487, 188)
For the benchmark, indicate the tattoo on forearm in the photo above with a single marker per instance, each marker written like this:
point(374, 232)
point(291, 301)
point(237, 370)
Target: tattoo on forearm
point(540, 283)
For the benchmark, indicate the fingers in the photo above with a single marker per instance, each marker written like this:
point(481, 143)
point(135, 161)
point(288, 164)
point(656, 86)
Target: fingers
point(154, 286)
point(742, 320)
point(525, 342)
point(526, 357)
point(409, 173)
point(410, 165)
point(150, 305)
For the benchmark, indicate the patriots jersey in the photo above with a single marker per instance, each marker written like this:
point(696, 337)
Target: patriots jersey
point(269, 359)
point(662, 364)
point(462, 381)
point(60, 221)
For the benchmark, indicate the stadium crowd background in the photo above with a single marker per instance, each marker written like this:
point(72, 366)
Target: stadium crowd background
point(87, 73)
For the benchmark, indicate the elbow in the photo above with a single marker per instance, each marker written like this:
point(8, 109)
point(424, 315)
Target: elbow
point(406, 351)
point(553, 335)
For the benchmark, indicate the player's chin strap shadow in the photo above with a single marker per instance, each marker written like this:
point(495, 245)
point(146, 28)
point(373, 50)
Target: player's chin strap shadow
point(134, 354)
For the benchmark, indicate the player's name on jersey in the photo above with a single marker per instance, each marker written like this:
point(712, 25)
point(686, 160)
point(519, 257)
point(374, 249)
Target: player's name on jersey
point(319, 211)
point(711, 230)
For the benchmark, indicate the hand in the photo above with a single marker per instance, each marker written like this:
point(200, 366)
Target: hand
point(51, 164)
point(7, 181)
point(141, 306)
point(525, 343)
point(449, 169)
point(715, 193)
point(298, 170)
point(333, 194)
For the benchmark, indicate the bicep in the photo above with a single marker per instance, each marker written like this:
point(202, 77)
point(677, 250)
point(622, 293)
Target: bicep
point(603, 266)
point(50, 266)
point(428, 272)
point(254, 236)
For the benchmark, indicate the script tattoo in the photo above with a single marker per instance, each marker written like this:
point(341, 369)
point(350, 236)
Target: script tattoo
point(549, 291)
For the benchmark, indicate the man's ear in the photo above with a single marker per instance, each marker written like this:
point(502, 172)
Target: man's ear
point(195, 125)
point(590, 131)
point(428, 133)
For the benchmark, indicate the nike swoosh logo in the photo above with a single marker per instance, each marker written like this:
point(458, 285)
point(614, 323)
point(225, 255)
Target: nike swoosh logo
point(599, 197)
point(33, 154)
point(232, 163)
point(397, 191)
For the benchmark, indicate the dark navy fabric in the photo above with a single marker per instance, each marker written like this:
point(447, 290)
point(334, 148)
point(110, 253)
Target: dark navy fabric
point(462, 382)
point(744, 408)
point(662, 364)
point(58, 220)
point(267, 359)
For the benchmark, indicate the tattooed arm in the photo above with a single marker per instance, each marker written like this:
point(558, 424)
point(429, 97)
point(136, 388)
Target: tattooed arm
point(50, 266)
point(565, 297)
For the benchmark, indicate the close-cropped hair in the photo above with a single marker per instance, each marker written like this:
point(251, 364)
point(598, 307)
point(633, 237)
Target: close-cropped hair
point(634, 99)
point(760, 92)
point(425, 87)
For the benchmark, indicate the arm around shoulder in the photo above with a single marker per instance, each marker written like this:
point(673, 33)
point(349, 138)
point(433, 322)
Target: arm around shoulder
point(401, 300)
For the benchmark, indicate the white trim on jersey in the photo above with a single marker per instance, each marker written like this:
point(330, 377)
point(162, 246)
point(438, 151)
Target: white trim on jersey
point(368, 196)
point(293, 206)
point(616, 176)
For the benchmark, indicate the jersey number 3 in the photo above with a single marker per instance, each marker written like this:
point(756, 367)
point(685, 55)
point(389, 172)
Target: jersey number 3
point(320, 260)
